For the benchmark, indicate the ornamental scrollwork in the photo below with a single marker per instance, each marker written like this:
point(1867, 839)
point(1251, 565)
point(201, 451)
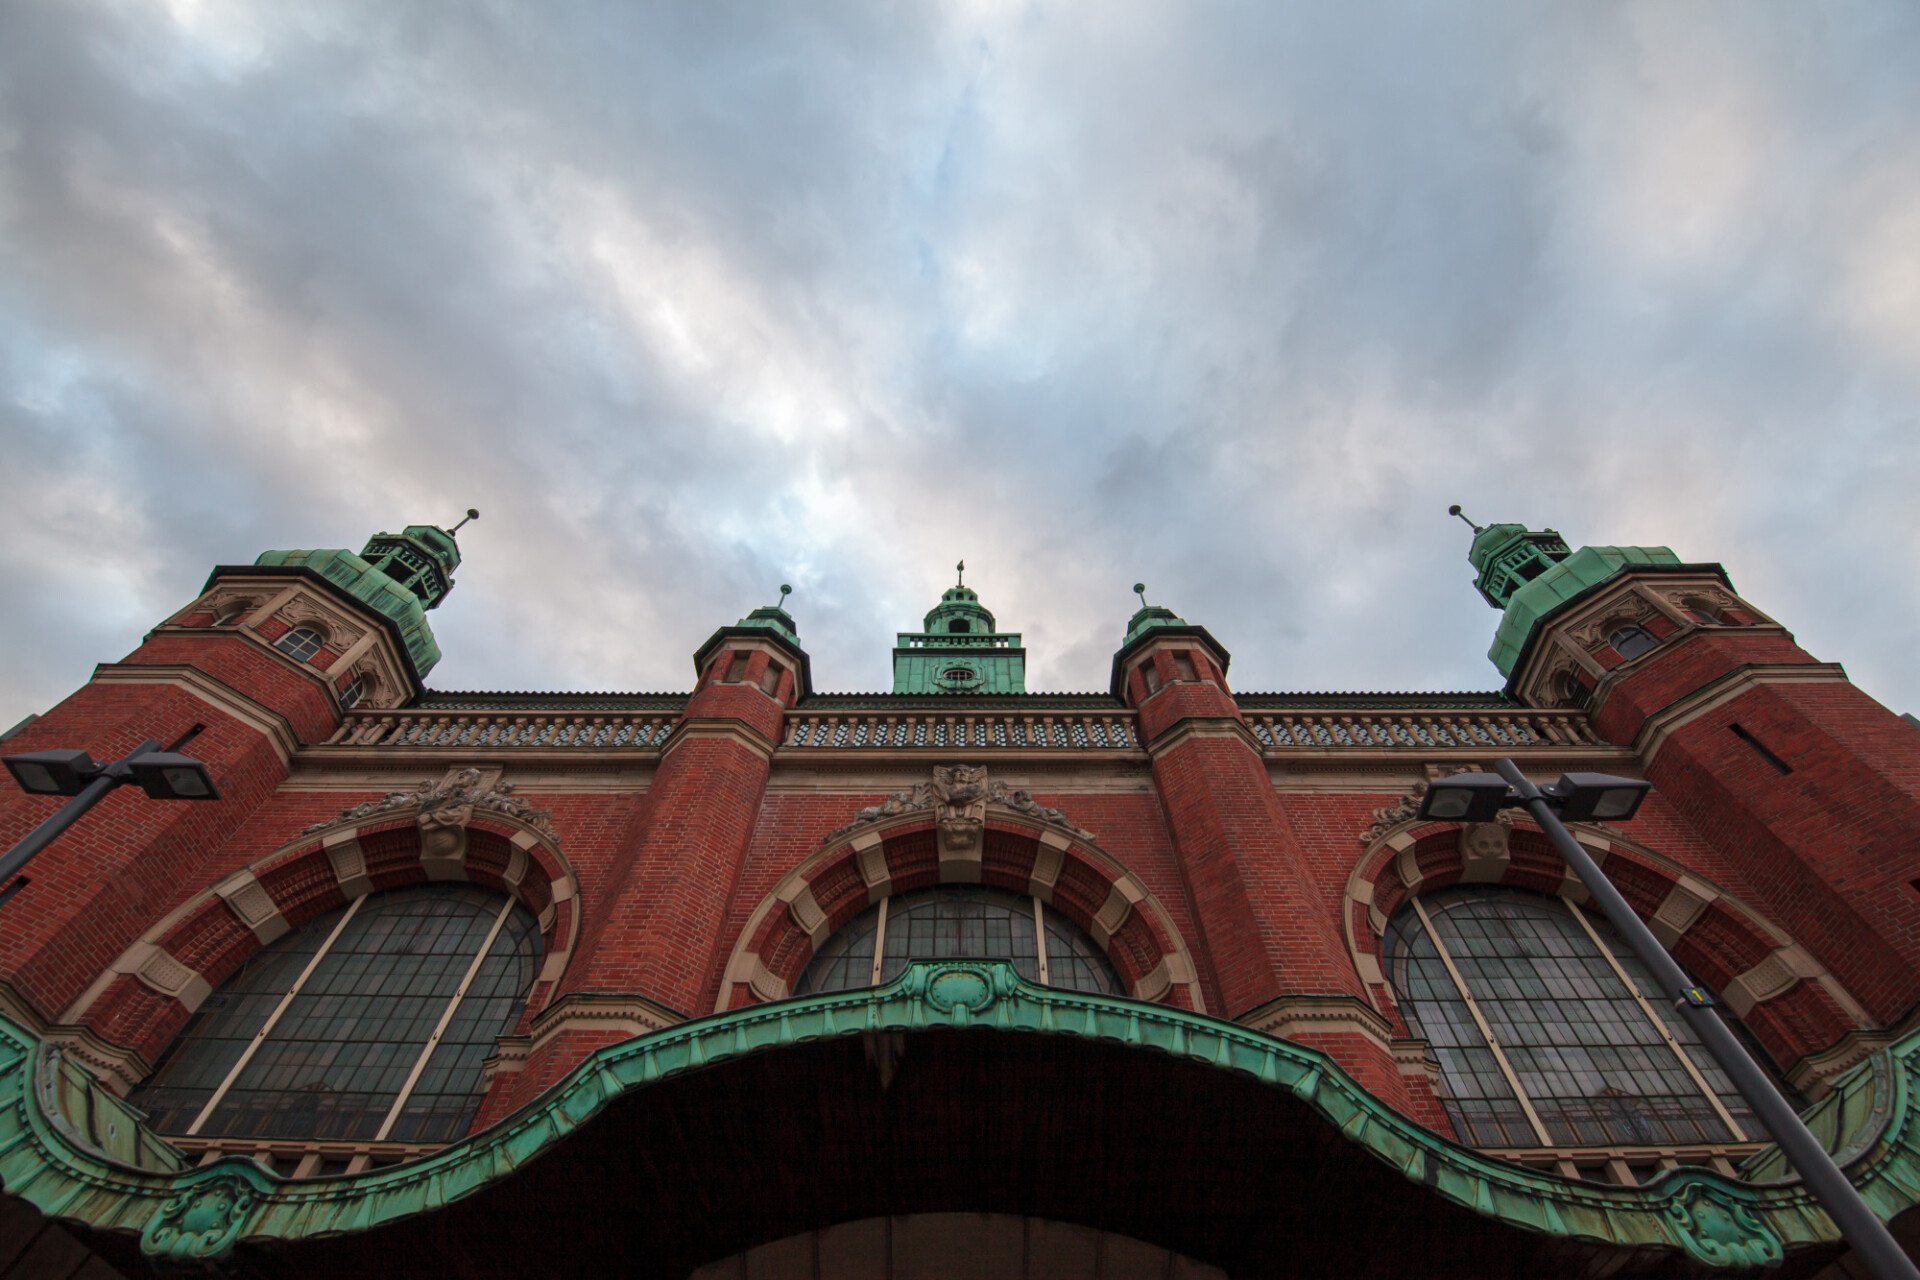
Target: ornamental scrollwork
point(958, 796)
point(448, 803)
point(1720, 1230)
point(199, 1222)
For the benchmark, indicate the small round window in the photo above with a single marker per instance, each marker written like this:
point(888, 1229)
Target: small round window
point(958, 677)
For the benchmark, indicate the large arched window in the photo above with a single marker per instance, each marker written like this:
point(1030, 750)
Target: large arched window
point(369, 1023)
point(960, 922)
point(1549, 1031)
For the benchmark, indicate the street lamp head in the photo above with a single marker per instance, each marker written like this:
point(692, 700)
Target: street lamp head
point(1465, 797)
point(52, 773)
point(1596, 797)
point(164, 775)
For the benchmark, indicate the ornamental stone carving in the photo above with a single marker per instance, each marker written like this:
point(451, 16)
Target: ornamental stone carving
point(443, 808)
point(958, 797)
point(336, 630)
point(1630, 609)
point(200, 1222)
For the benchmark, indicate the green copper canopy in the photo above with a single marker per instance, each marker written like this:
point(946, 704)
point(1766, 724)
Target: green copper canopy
point(136, 1185)
point(400, 575)
point(959, 651)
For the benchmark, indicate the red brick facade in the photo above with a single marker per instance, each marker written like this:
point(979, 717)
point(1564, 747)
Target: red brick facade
point(1222, 868)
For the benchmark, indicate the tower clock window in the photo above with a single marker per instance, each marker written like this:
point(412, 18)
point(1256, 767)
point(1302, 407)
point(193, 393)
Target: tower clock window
point(300, 644)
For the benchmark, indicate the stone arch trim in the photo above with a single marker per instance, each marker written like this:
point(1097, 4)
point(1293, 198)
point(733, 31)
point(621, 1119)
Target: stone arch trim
point(1786, 997)
point(1067, 872)
point(146, 995)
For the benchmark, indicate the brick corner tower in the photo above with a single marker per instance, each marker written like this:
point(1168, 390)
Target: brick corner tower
point(263, 662)
point(1809, 786)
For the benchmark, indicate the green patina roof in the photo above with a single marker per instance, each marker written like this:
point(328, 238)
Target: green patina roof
point(367, 584)
point(959, 651)
point(401, 575)
point(1581, 571)
point(192, 1215)
point(774, 618)
point(1148, 616)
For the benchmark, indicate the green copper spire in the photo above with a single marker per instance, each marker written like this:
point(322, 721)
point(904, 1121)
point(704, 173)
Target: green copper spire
point(959, 651)
point(400, 575)
point(1528, 574)
point(1148, 617)
point(774, 617)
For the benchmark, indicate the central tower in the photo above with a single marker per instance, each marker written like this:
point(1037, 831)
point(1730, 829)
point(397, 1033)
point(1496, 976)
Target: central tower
point(959, 651)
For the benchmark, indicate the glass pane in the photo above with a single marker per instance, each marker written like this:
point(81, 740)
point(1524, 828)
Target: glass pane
point(959, 922)
point(1594, 1066)
point(338, 1056)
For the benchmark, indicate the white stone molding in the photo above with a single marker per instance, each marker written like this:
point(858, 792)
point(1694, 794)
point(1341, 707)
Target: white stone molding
point(249, 901)
point(864, 841)
point(265, 721)
point(1662, 724)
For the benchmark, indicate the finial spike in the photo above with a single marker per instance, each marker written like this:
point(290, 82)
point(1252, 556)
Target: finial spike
point(1454, 510)
point(472, 514)
point(961, 569)
point(1140, 589)
point(786, 589)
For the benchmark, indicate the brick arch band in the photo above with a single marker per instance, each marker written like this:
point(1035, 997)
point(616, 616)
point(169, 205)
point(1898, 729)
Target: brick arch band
point(146, 996)
point(1072, 876)
point(1798, 1010)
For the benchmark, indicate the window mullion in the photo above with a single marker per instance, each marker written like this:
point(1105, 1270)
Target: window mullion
point(260, 1036)
point(1486, 1031)
point(440, 1028)
point(880, 943)
point(1659, 1024)
point(1040, 939)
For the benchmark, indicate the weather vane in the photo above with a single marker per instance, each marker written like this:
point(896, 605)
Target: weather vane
point(786, 589)
point(1140, 589)
point(473, 513)
point(1454, 510)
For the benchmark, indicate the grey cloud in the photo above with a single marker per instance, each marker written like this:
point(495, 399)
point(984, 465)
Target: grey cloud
point(692, 300)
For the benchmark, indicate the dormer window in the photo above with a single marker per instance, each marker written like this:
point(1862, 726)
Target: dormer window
point(1630, 642)
point(300, 644)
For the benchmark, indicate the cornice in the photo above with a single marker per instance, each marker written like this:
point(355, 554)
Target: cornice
point(1188, 728)
point(273, 726)
point(1661, 725)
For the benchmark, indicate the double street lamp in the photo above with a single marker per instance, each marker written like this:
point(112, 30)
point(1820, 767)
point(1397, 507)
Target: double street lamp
point(1584, 797)
point(163, 775)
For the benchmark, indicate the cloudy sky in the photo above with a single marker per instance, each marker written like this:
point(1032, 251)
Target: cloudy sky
point(694, 300)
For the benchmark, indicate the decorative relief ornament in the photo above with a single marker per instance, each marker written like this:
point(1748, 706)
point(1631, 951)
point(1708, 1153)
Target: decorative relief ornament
point(1720, 1230)
point(958, 796)
point(200, 1222)
point(446, 806)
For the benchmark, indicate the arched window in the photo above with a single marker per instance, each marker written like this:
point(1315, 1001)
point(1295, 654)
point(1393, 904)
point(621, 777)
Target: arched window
point(356, 689)
point(233, 615)
point(330, 1033)
point(1705, 611)
point(959, 626)
point(300, 644)
point(1549, 1031)
point(960, 922)
point(1630, 642)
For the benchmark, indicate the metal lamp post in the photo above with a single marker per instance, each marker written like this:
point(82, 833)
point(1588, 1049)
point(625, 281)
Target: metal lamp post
point(1478, 797)
point(163, 775)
